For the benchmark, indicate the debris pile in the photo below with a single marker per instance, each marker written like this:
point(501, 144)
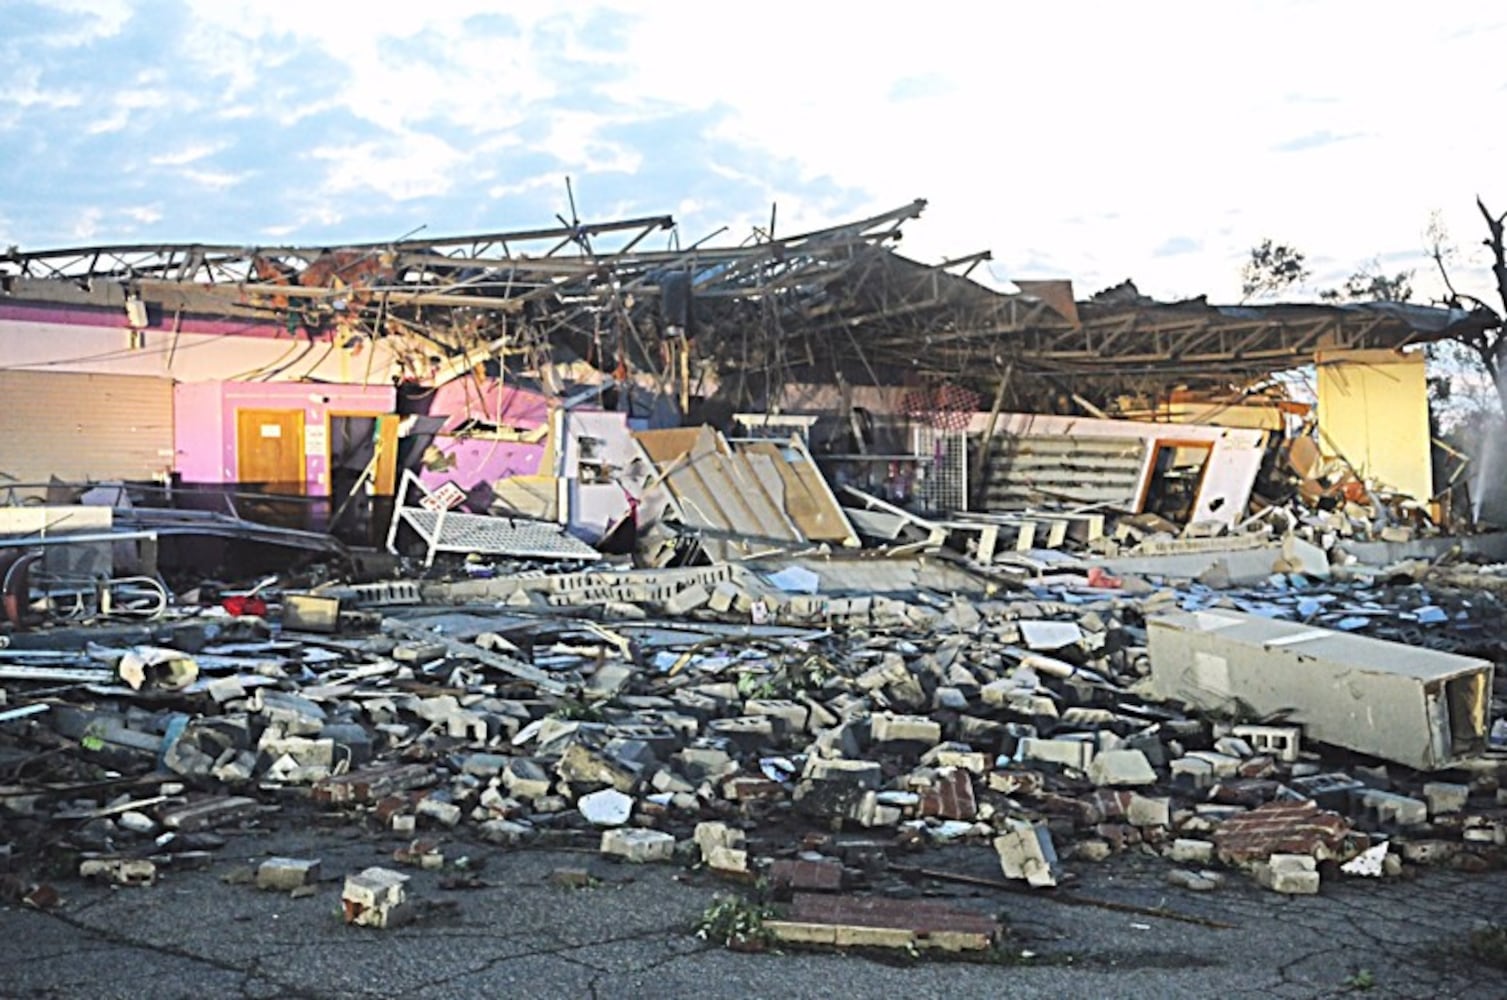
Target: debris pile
point(758, 719)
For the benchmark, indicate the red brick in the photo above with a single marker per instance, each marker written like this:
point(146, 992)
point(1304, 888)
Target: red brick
point(951, 797)
point(822, 876)
point(1281, 828)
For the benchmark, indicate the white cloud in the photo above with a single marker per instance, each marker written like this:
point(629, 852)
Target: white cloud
point(86, 223)
point(184, 155)
point(90, 21)
point(1072, 138)
point(403, 168)
point(213, 180)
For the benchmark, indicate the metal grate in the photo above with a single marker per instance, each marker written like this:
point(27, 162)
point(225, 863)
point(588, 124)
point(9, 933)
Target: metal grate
point(946, 484)
point(453, 531)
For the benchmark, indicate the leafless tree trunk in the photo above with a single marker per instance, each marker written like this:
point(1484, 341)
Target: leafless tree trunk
point(1490, 346)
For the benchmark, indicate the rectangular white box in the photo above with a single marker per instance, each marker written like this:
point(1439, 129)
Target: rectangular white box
point(1418, 707)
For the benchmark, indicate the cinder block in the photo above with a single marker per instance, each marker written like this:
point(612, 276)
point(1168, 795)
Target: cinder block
point(727, 859)
point(1146, 810)
point(1282, 742)
point(1076, 754)
point(1026, 852)
point(1121, 767)
point(1191, 852)
point(688, 600)
point(1203, 881)
point(1293, 874)
point(710, 836)
point(1391, 809)
point(638, 845)
point(374, 898)
point(1444, 797)
point(793, 715)
point(287, 874)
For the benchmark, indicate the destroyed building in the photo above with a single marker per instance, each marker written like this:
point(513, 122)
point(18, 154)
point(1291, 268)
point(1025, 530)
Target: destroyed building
point(552, 532)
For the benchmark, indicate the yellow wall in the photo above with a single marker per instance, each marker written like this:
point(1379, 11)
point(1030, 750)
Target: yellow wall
point(1374, 413)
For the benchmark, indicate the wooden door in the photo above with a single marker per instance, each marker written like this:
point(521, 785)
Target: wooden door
point(269, 449)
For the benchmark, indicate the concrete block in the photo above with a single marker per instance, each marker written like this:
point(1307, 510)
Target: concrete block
point(727, 859)
point(445, 813)
point(287, 874)
point(1444, 798)
point(1192, 771)
point(1121, 767)
point(687, 600)
point(580, 764)
point(1191, 852)
point(1074, 753)
point(1194, 881)
point(1222, 765)
point(887, 728)
point(859, 773)
point(608, 680)
point(638, 845)
point(1026, 852)
point(710, 836)
point(724, 597)
point(1282, 742)
point(791, 714)
point(506, 832)
point(1292, 874)
point(121, 871)
point(374, 898)
point(867, 811)
point(311, 613)
point(1147, 810)
point(1391, 809)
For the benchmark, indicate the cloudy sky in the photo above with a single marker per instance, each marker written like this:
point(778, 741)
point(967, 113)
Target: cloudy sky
point(1096, 141)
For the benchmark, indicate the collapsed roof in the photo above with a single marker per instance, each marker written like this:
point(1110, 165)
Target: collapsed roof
point(835, 302)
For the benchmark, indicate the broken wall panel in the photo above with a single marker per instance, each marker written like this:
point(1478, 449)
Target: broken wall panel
point(1222, 488)
point(1374, 413)
point(745, 499)
point(1418, 707)
point(1033, 469)
point(808, 499)
point(471, 462)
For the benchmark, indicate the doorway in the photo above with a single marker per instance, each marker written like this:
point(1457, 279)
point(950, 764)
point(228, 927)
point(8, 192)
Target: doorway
point(363, 471)
point(1177, 472)
point(269, 450)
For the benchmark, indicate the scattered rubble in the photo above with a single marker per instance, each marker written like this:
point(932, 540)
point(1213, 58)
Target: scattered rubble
point(801, 717)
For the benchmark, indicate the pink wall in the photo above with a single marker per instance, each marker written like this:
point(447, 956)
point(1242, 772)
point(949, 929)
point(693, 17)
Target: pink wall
point(490, 401)
point(205, 422)
point(199, 433)
point(476, 462)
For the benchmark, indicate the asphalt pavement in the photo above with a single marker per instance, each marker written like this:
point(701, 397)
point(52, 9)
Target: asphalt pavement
point(493, 923)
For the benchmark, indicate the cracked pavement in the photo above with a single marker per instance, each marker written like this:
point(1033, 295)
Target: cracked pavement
point(516, 933)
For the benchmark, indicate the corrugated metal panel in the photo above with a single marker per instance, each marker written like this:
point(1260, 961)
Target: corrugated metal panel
point(84, 427)
point(1027, 471)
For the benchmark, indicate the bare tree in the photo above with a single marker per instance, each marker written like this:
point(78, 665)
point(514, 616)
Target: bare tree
point(1487, 345)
